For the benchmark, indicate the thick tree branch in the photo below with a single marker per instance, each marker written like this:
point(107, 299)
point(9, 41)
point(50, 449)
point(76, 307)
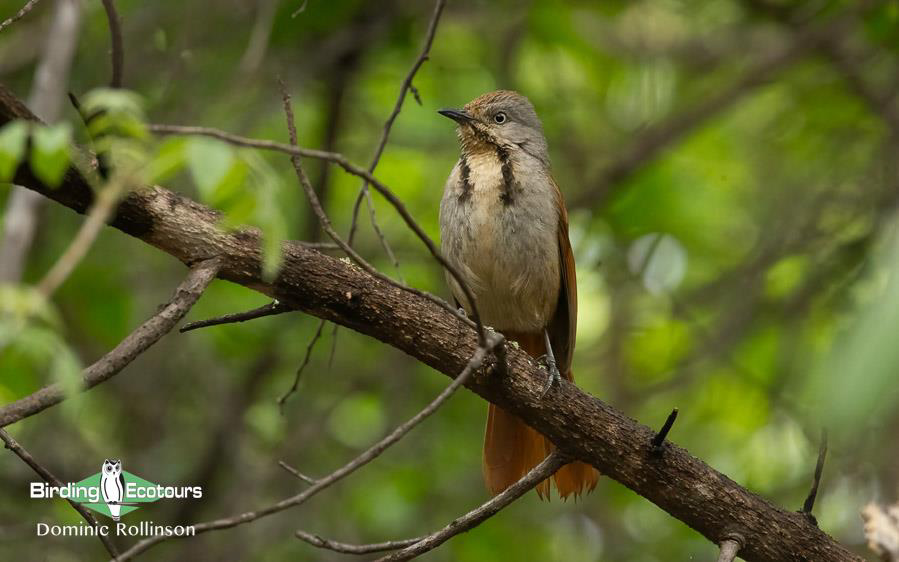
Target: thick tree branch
point(578, 424)
point(132, 346)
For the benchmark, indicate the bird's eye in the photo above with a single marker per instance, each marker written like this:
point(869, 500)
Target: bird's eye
point(500, 117)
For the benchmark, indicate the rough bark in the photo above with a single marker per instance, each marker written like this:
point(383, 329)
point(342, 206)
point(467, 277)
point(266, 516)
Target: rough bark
point(579, 424)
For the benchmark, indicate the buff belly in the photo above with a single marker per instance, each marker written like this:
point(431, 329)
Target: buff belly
point(506, 252)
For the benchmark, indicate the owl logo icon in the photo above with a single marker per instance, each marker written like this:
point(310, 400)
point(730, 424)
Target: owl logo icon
point(112, 485)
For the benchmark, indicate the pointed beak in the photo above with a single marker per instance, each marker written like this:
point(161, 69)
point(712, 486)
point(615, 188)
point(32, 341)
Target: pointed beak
point(458, 115)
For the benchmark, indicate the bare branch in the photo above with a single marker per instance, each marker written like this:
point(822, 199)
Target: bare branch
point(398, 205)
point(116, 44)
point(297, 473)
point(473, 518)
point(347, 548)
point(349, 167)
point(269, 309)
point(49, 478)
point(819, 469)
point(658, 441)
point(138, 341)
point(296, 379)
point(18, 15)
point(474, 364)
point(385, 132)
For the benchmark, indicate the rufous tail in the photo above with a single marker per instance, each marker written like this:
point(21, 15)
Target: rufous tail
point(512, 448)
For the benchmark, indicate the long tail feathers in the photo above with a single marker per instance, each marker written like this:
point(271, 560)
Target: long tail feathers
point(512, 448)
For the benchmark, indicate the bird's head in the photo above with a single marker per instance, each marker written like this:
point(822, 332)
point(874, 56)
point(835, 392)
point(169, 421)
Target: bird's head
point(502, 118)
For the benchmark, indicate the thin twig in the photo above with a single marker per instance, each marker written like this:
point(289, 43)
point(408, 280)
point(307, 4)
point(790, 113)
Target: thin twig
point(138, 341)
point(347, 548)
point(297, 473)
point(116, 44)
point(385, 132)
point(475, 363)
point(477, 516)
point(373, 219)
point(18, 15)
point(96, 219)
point(659, 440)
point(382, 143)
point(809, 503)
point(319, 245)
point(350, 168)
point(49, 478)
point(269, 309)
point(334, 332)
point(296, 379)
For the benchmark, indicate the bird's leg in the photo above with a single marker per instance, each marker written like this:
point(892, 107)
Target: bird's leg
point(550, 360)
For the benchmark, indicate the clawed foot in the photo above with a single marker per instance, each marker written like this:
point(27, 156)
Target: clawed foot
point(553, 376)
point(550, 361)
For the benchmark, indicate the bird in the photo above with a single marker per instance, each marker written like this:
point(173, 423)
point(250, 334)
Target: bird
point(504, 228)
point(112, 484)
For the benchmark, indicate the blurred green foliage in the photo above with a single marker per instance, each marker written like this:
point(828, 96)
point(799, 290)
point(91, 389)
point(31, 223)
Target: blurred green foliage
point(739, 264)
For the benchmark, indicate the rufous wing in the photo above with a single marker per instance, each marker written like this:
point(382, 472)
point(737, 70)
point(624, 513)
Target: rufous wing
point(563, 325)
point(578, 477)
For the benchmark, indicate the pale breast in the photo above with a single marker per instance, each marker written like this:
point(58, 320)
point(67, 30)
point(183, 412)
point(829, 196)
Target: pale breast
point(503, 239)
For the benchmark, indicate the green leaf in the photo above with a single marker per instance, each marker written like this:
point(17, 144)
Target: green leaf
point(12, 147)
point(113, 99)
point(168, 160)
point(231, 191)
point(50, 152)
point(268, 214)
point(114, 112)
point(209, 162)
point(274, 231)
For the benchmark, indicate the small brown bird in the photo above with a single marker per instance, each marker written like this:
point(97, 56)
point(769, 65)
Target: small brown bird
point(504, 226)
